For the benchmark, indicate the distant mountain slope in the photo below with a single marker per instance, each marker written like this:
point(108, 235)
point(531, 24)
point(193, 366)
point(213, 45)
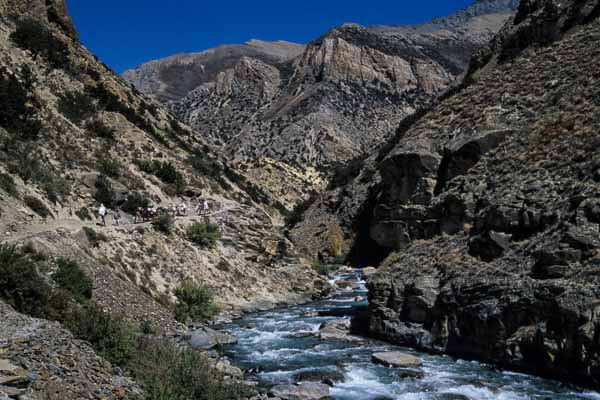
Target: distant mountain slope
point(172, 78)
point(336, 101)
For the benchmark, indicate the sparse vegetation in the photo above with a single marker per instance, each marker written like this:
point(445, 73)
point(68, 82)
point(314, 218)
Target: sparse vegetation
point(7, 184)
point(110, 166)
point(134, 201)
point(163, 170)
point(99, 129)
point(37, 206)
point(164, 223)
point(112, 337)
point(21, 284)
point(33, 35)
point(104, 191)
point(95, 238)
point(171, 373)
point(76, 105)
point(70, 277)
point(323, 269)
point(204, 234)
point(194, 302)
point(18, 114)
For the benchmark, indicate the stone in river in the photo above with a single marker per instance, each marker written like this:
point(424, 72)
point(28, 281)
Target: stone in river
point(206, 338)
point(396, 359)
point(327, 377)
point(303, 391)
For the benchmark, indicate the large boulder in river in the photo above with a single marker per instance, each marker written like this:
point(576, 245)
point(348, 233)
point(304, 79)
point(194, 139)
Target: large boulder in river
point(303, 391)
point(206, 339)
point(396, 359)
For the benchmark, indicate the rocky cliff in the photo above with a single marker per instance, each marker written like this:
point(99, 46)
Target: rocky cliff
point(334, 102)
point(488, 204)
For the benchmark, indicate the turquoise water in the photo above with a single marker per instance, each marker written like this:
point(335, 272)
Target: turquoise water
point(267, 343)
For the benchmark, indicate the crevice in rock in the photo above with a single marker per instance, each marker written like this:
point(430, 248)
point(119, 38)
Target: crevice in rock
point(365, 251)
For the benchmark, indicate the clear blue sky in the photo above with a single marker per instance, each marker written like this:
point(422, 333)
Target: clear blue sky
point(126, 33)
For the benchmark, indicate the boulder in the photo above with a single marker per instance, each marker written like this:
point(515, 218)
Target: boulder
point(303, 391)
point(206, 339)
point(327, 377)
point(396, 359)
point(489, 246)
point(369, 271)
point(337, 330)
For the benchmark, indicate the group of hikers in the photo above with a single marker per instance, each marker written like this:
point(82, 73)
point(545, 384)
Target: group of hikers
point(144, 214)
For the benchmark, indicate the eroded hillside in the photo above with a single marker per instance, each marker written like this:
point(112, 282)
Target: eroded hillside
point(74, 135)
point(339, 99)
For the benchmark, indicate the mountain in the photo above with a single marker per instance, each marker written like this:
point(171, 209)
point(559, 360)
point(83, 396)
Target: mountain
point(313, 109)
point(482, 213)
point(74, 135)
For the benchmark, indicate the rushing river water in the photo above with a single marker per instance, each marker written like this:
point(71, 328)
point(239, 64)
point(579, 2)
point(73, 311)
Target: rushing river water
point(275, 343)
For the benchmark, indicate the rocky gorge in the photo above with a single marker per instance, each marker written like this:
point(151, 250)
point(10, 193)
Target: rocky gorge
point(481, 212)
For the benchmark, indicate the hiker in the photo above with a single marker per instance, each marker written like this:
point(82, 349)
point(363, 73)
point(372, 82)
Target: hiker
point(182, 209)
point(117, 217)
point(102, 211)
point(205, 207)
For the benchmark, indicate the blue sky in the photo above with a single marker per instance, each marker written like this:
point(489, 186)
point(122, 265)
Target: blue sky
point(126, 33)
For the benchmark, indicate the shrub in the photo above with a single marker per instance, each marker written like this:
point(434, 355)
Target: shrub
point(37, 206)
point(205, 165)
point(134, 201)
point(99, 129)
point(17, 115)
point(110, 166)
point(168, 372)
point(7, 183)
point(55, 186)
point(323, 269)
point(163, 170)
point(203, 234)
point(70, 277)
point(21, 285)
point(164, 223)
point(194, 302)
point(104, 191)
point(76, 105)
point(84, 214)
point(112, 337)
point(35, 36)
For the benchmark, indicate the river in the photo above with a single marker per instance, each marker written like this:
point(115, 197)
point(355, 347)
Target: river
point(278, 344)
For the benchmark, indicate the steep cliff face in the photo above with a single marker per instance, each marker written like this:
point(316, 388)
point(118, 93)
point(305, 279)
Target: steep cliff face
point(489, 203)
point(338, 99)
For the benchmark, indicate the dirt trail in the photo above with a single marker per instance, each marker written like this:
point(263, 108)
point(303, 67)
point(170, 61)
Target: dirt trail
point(29, 231)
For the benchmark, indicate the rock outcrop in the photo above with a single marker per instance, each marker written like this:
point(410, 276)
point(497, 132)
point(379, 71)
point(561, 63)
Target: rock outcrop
point(336, 101)
point(488, 206)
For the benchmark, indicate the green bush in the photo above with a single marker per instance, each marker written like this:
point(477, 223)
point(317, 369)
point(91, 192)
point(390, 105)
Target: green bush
point(194, 302)
point(168, 372)
point(323, 269)
point(33, 35)
point(70, 277)
point(99, 129)
point(21, 284)
point(37, 206)
point(110, 166)
point(95, 238)
point(76, 105)
point(164, 223)
point(17, 112)
point(203, 234)
point(84, 214)
point(104, 191)
point(205, 165)
point(134, 201)
point(112, 337)
point(163, 170)
point(55, 186)
point(7, 183)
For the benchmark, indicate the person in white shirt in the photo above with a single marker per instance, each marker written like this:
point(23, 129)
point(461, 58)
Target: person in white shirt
point(102, 211)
